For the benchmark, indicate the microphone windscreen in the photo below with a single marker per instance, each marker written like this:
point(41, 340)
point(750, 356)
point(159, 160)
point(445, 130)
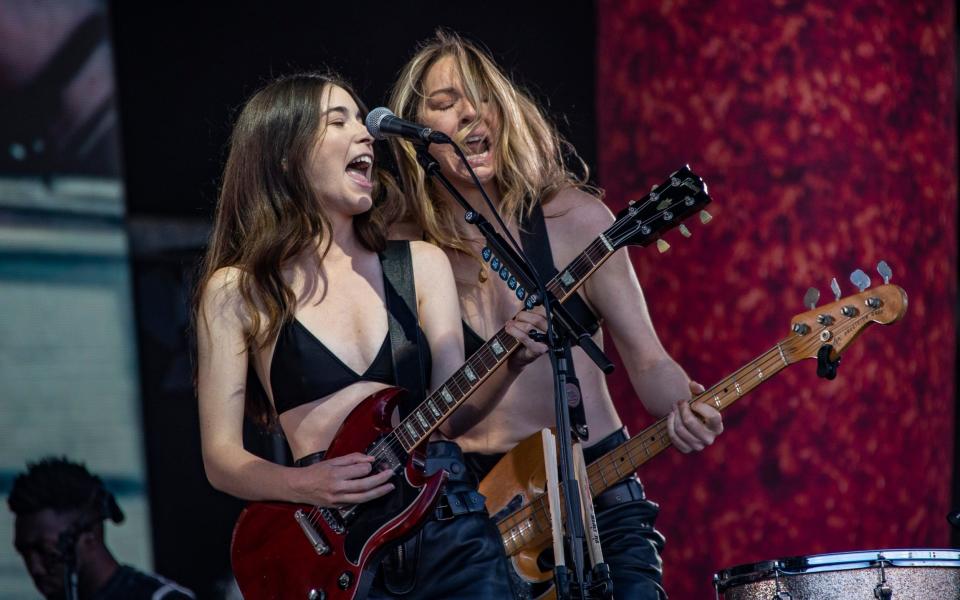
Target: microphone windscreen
point(374, 118)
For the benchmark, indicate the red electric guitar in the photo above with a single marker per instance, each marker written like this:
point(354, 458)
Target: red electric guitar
point(294, 551)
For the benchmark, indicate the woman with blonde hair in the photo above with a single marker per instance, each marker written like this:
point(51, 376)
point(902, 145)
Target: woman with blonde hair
point(293, 287)
point(454, 87)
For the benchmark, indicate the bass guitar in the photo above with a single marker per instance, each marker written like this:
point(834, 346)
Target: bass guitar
point(292, 551)
point(515, 487)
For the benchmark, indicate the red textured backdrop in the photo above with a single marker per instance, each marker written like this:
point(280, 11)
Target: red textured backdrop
point(827, 134)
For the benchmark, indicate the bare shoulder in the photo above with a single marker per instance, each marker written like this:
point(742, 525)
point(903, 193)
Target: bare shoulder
point(432, 272)
point(224, 282)
point(575, 214)
point(221, 294)
point(428, 255)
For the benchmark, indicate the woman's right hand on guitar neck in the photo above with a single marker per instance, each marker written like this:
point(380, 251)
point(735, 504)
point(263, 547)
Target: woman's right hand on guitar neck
point(340, 481)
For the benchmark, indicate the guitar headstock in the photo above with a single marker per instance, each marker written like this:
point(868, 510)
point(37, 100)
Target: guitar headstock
point(840, 322)
point(665, 207)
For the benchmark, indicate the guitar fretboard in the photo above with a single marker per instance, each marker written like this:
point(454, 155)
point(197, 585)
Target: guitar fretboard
point(531, 523)
point(662, 209)
point(622, 461)
point(416, 427)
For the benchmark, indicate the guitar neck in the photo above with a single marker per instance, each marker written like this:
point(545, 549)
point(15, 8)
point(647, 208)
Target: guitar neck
point(417, 427)
point(623, 460)
point(529, 522)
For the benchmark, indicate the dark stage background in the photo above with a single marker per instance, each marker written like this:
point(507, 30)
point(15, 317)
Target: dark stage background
point(827, 136)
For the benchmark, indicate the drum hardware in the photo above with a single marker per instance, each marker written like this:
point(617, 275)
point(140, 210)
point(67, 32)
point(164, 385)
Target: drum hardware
point(915, 574)
point(779, 594)
point(882, 591)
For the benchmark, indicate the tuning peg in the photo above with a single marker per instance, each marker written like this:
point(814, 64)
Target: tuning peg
point(705, 217)
point(885, 271)
point(684, 231)
point(835, 288)
point(811, 297)
point(662, 246)
point(860, 279)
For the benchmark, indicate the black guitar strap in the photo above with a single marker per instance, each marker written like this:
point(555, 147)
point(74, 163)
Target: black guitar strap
point(536, 245)
point(410, 363)
point(411, 370)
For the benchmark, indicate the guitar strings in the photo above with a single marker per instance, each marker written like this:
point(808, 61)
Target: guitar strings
point(391, 443)
point(765, 361)
point(655, 431)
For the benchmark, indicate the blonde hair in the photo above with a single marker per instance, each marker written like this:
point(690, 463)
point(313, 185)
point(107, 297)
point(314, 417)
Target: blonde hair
point(529, 152)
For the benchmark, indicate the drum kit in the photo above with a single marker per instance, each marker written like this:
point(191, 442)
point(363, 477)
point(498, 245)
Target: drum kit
point(905, 574)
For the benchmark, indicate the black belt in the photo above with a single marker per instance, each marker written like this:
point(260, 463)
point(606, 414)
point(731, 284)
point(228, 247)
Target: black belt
point(605, 445)
point(459, 496)
point(628, 490)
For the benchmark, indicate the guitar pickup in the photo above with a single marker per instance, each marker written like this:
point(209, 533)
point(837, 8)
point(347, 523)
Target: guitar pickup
point(313, 536)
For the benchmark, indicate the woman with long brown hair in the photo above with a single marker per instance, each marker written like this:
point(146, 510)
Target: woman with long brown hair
point(293, 287)
point(454, 87)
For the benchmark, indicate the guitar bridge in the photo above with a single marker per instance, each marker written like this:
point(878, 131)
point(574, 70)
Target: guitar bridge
point(333, 520)
point(313, 536)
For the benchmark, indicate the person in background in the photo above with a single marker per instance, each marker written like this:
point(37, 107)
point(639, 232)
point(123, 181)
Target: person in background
point(59, 509)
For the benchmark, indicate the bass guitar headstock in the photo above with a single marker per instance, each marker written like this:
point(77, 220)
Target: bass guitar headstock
point(839, 323)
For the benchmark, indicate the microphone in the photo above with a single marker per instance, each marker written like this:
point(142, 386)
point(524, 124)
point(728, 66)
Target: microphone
point(382, 123)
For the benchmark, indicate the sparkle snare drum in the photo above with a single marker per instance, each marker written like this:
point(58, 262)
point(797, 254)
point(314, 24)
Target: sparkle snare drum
point(917, 574)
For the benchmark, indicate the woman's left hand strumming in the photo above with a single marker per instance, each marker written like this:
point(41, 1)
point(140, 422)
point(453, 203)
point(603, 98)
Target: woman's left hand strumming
point(524, 327)
point(693, 426)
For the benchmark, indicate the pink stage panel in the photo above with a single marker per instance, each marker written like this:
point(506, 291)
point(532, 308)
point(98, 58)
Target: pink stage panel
point(827, 134)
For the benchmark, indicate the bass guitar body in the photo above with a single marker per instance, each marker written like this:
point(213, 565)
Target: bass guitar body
point(515, 482)
point(300, 552)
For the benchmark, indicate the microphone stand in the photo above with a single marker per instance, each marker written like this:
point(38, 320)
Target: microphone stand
point(562, 330)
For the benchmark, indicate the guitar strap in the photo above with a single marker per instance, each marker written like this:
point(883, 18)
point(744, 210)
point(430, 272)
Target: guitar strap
point(410, 363)
point(411, 369)
point(536, 245)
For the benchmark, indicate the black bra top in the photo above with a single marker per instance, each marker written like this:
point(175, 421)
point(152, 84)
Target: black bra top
point(304, 369)
point(471, 340)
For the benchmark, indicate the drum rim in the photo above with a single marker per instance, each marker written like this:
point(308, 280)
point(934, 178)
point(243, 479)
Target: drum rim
point(835, 561)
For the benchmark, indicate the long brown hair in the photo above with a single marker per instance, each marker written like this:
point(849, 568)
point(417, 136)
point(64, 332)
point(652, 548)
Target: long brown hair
point(267, 211)
point(531, 156)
